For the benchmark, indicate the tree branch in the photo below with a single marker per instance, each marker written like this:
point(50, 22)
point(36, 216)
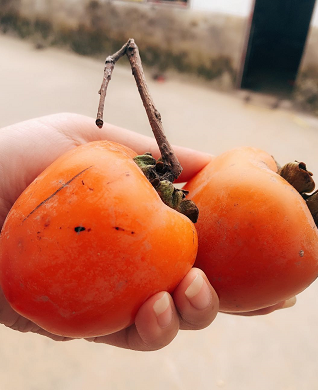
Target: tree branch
point(108, 70)
point(168, 157)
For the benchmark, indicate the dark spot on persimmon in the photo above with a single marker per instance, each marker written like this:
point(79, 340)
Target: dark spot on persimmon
point(119, 228)
point(79, 229)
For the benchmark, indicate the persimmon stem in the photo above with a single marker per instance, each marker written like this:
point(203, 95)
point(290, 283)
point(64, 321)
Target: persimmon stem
point(167, 154)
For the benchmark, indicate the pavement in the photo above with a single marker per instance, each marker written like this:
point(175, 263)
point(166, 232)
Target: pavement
point(278, 351)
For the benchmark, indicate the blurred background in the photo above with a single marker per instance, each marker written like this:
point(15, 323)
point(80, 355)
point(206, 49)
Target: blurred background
point(222, 74)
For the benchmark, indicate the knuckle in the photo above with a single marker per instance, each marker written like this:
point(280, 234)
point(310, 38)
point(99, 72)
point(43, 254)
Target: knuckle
point(198, 320)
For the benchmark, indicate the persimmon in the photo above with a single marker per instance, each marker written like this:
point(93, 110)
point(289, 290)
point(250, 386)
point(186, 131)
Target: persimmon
point(258, 242)
point(89, 241)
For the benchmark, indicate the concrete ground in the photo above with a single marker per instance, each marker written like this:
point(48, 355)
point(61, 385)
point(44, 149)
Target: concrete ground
point(276, 352)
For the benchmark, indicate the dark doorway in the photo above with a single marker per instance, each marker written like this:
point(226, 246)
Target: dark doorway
point(275, 45)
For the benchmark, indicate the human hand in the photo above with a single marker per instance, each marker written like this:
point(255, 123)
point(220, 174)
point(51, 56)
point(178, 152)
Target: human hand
point(26, 149)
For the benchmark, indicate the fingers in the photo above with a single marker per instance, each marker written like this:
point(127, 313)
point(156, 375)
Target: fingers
point(156, 325)
point(83, 129)
point(192, 161)
point(194, 306)
point(267, 310)
point(196, 301)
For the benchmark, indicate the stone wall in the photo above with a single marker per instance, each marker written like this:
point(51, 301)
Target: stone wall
point(207, 45)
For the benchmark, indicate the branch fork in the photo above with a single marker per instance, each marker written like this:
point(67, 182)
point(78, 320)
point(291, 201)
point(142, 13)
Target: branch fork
point(167, 169)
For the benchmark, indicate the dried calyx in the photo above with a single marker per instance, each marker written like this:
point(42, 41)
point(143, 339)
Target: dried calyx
point(300, 178)
point(297, 175)
point(157, 172)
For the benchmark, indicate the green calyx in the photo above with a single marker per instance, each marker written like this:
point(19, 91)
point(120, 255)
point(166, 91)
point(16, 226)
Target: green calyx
point(157, 172)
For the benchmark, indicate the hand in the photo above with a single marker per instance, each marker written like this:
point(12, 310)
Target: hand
point(267, 310)
point(26, 149)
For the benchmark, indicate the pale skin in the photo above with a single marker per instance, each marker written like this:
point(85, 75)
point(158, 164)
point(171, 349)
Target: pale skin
point(27, 148)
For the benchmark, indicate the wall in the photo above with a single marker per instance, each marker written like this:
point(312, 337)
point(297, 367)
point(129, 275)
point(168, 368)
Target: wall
point(203, 44)
point(207, 45)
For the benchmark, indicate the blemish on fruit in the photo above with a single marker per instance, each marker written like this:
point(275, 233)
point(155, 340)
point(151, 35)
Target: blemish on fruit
point(301, 253)
point(79, 229)
point(119, 286)
point(44, 298)
point(56, 192)
point(119, 228)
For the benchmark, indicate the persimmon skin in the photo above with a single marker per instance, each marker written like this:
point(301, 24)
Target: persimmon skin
point(258, 243)
point(89, 241)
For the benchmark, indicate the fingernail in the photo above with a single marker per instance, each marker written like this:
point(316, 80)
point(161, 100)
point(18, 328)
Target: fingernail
point(289, 303)
point(163, 311)
point(198, 293)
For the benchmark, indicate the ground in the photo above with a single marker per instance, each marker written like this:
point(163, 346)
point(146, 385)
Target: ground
point(277, 352)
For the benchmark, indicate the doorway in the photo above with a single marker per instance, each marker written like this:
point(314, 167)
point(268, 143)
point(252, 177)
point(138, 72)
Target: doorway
point(275, 44)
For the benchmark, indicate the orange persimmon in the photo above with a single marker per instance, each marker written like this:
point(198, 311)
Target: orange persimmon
point(89, 241)
point(258, 242)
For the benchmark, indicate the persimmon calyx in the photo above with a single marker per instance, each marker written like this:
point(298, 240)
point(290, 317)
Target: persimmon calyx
point(175, 198)
point(300, 178)
point(297, 175)
point(312, 204)
point(157, 172)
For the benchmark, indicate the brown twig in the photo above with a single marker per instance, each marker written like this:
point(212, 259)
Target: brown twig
point(131, 50)
point(167, 154)
point(108, 70)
